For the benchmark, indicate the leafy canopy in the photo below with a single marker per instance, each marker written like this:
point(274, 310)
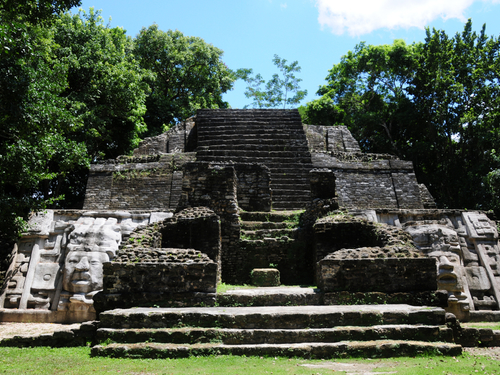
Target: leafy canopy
point(187, 74)
point(435, 103)
point(70, 92)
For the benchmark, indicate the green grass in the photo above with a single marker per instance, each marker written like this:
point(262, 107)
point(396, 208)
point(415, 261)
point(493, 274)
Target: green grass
point(490, 325)
point(223, 287)
point(78, 361)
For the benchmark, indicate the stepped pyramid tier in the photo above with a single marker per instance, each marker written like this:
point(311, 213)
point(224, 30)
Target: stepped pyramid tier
point(274, 138)
point(230, 191)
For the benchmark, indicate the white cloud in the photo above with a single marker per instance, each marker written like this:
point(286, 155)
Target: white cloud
point(358, 17)
point(284, 6)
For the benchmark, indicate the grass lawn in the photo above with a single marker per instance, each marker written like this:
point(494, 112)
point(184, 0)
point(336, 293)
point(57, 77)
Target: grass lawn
point(78, 361)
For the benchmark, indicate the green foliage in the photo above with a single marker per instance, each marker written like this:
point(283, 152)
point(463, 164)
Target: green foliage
point(188, 74)
point(493, 183)
point(105, 88)
point(35, 155)
point(435, 103)
point(35, 11)
point(70, 92)
point(278, 90)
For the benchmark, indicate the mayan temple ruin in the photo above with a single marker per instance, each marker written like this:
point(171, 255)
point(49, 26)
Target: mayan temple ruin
point(255, 196)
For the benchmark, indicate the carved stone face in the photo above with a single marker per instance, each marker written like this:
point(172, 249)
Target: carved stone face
point(442, 243)
point(83, 271)
point(449, 271)
point(94, 235)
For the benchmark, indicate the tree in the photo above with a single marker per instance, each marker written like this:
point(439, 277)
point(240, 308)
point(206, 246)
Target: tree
point(493, 183)
point(435, 103)
point(32, 115)
point(367, 91)
point(456, 93)
point(278, 90)
point(70, 92)
point(188, 74)
point(106, 89)
point(35, 11)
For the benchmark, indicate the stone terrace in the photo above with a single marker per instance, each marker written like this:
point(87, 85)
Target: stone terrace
point(305, 331)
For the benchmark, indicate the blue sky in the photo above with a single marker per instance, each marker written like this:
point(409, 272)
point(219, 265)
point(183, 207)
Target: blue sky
point(316, 33)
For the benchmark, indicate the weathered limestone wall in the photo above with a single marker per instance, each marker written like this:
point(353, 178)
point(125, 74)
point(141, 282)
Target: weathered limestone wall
point(161, 277)
point(253, 187)
point(366, 183)
point(323, 184)
point(291, 257)
point(197, 228)
point(330, 138)
point(334, 233)
point(387, 275)
point(180, 138)
point(150, 182)
point(215, 186)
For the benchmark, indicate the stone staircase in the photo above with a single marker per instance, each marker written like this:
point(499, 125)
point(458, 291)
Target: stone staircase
point(272, 239)
point(275, 138)
point(269, 225)
point(302, 331)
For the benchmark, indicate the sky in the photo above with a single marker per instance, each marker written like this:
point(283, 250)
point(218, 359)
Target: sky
point(316, 33)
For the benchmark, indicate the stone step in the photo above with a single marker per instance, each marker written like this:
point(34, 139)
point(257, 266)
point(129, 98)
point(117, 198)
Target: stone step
point(254, 225)
point(244, 135)
point(251, 127)
point(287, 206)
point(268, 233)
point(270, 217)
point(271, 160)
point(271, 296)
point(303, 199)
point(229, 336)
point(365, 349)
point(263, 118)
point(284, 190)
point(267, 317)
point(271, 150)
point(211, 116)
point(278, 169)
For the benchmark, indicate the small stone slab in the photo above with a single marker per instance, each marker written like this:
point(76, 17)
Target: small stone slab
point(265, 277)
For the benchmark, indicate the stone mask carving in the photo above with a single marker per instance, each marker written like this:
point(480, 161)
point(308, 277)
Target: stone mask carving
point(83, 271)
point(441, 242)
point(91, 243)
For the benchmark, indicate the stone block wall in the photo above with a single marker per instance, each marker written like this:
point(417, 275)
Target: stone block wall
point(253, 190)
point(172, 277)
point(290, 257)
point(386, 275)
point(213, 186)
point(364, 183)
point(330, 138)
point(177, 139)
point(194, 228)
point(167, 277)
point(132, 183)
point(322, 184)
